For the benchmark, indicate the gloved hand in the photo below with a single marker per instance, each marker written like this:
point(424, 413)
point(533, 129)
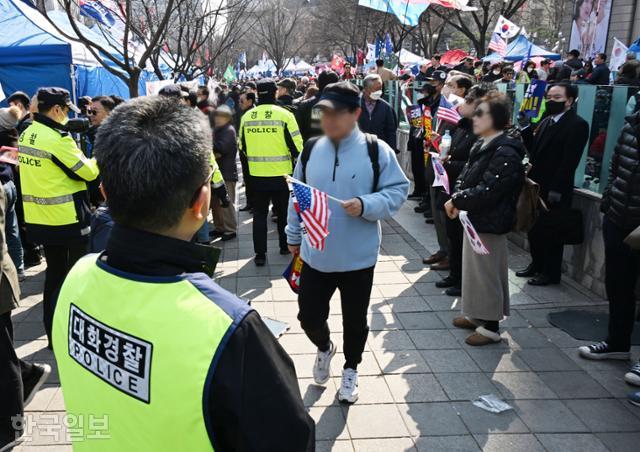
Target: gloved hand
point(222, 195)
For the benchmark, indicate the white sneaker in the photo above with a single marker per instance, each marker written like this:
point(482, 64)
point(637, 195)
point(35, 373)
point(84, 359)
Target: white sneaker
point(349, 388)
point(322, 367)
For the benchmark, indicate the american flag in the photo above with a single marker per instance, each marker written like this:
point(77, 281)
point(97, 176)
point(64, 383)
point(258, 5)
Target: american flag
point(498, 44)
point(313, 207)
point(447, 112)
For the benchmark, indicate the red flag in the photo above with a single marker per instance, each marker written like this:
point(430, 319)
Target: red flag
point(337, 63)
point(360, 57)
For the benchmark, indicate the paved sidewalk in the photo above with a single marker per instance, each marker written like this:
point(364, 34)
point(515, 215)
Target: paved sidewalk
point(418, 376)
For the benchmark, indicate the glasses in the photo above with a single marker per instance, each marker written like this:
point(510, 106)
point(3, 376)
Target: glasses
point(90, 112)
point(206, 181)
point(479, 113)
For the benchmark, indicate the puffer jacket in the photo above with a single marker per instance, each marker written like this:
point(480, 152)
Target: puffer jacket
point(490, 183)
point(621, 198)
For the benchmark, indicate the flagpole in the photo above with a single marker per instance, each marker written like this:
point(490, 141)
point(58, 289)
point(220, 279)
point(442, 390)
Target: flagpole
point(294, 180)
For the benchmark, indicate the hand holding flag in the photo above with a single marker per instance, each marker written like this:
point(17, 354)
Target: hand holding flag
point(312, 206)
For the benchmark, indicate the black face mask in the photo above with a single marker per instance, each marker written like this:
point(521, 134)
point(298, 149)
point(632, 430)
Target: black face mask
point(554, 107)
point(429, 89)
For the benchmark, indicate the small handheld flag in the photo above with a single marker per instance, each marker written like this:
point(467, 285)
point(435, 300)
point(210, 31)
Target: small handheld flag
point(474, 239)
point(312, 206)
point(441, 178)
point(448, 112)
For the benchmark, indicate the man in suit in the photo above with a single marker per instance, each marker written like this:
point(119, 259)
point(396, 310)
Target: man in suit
point(19, 380)
point(555, 150)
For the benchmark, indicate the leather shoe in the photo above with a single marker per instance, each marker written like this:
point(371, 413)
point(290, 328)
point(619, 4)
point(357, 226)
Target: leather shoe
point(420, 208)
point(445, 282)
point(453, 291)
point(542, 281)
point(260, 260)
point(527, 272)
point(441, 266)
point(437, 257)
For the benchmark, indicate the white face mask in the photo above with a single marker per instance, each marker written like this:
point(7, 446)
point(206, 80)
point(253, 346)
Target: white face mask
point(376, 95)
point(496, 71)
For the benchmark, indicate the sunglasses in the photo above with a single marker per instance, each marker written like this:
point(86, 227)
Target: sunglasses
point(206, 181)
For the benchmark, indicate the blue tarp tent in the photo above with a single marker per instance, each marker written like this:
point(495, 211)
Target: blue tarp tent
point(29, 53)
point(635, 46)
point(518, 49)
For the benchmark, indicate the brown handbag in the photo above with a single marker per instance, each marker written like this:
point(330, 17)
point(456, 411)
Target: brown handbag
point(528, 206)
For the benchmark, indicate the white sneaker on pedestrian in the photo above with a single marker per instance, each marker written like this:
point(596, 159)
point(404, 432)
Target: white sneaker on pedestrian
point(322, 367)
point(633, 376)
point(349, 388)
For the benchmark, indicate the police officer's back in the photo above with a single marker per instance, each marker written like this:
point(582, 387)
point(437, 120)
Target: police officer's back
point(54, 174)
point(270, 140)
point(142, 334)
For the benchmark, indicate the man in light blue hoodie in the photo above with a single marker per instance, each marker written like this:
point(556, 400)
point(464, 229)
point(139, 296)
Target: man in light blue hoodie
point(346, 164)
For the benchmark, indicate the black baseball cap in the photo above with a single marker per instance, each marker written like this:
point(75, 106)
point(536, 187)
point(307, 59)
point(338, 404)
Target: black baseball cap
point(287, 83)
point(339, 96)
point(173, 90)
point(440, 76)
point(266, 86)
point(48, 97)
point(20, 96)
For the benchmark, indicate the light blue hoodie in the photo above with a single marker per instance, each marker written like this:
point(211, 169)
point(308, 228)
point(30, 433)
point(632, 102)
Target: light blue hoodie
point(346, 173)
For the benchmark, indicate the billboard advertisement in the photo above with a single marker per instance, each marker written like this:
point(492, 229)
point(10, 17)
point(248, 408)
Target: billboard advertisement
point(590, 26)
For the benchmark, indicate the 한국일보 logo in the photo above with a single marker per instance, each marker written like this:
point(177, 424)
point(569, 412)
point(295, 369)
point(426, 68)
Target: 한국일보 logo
point(121, 360)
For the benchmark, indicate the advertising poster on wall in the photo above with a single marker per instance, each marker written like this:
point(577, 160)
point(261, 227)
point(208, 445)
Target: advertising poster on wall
point(590, 26)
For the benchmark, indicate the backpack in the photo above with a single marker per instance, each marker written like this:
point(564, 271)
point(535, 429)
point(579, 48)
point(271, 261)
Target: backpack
point(372, 148)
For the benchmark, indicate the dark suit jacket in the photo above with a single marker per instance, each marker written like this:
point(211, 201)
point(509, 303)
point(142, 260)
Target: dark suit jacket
point(554, 153)
point(9, 286)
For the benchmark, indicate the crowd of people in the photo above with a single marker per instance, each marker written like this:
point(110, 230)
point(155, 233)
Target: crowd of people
point(138, 181)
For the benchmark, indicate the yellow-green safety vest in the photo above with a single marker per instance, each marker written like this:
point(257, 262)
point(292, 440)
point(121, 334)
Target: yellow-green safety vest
point(263, 139)
point(47, 191)
point(216, 178)
point(137, 353)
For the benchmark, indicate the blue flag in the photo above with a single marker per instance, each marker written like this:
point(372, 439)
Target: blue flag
point(407, 11)
point(378, 46)
point(388, 45)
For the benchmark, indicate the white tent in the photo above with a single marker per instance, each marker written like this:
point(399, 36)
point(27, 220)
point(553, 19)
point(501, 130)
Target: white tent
point(407, 58)
point(303, 66)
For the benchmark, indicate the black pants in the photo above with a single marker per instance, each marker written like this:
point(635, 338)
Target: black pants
point(546, 253)
point(417, 168)
point(60, 259)
point(316, 290)
point(260, 204)
point(622, 265)
point(12, 372)
point(246, 177)
point(454, 233)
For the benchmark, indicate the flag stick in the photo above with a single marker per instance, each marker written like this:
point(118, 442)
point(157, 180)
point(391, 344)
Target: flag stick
point(293, 179)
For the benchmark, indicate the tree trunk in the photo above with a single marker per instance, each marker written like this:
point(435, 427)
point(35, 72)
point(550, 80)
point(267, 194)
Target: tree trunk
point(134, 80)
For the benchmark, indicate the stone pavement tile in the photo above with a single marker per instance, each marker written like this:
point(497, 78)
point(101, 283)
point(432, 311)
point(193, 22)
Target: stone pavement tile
point(315, 395)
point(368, 366)
point(537, 317)
point(45, 428)
point(408, 304)
point(479, 421)
point(547, 359)
point(334, 446)
point(26, 349)
point(562, 339)
point(433, 339)
point(304, 365)
point(397, 290)
point(375, 421)
point(293, 322)
point(447, 444)
point(57, 402)
point(498, 360)
point(620, 442)
point(29, 331)
point(526, 338)
point(557, 442)
point(466, 386)
point(253, 282)
point(297, 344)
point(515, 320)
point(409, 388)
point(594, 365)
point(42, 399)
point(428, 289)
point(373, 390)
point(519, 298)
point(432, 419)
point(574, 385)
point(283, 294)
point(605, 415)
point(613, 382)
point(511, 443)
point(444, 303)
point(383, 321)
point(401, 362)
point(390, 340)
point(384, 267)
point(330, 422)
point(548, 416)
point(264, 308)
point(449, 361)
point(384, 445)
point(420, 321)
point(396, 277)
point(522, 385)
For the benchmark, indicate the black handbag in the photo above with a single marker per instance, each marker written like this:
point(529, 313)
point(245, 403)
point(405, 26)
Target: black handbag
point(563, 225)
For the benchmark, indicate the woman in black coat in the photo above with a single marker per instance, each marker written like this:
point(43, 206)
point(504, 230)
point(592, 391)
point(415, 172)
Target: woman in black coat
point(488, 190)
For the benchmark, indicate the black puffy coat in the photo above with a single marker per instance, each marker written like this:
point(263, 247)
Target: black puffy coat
point(621, 199)
point(308, 120)
point(490, 183)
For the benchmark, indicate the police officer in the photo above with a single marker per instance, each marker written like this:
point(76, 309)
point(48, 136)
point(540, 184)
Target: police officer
point(143, 337)
point(270, 139)
point(54, 175)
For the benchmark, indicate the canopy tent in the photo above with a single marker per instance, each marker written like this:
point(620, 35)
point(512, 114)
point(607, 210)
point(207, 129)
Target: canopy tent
point(303, 66)
point(518, 49)
point(407, 58)
point(635, 46)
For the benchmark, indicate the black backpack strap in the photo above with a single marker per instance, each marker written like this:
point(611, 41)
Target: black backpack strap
point(305, 154)
point(372, 148)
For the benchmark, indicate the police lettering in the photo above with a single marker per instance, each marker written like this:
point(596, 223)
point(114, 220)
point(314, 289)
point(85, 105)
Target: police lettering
point(26, 160)
point(262, 129)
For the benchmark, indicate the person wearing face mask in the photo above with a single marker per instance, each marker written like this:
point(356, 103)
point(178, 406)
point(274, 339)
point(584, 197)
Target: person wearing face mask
point(494, 74)
point(378, 117)
point(554, 153)
point(54, 174)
